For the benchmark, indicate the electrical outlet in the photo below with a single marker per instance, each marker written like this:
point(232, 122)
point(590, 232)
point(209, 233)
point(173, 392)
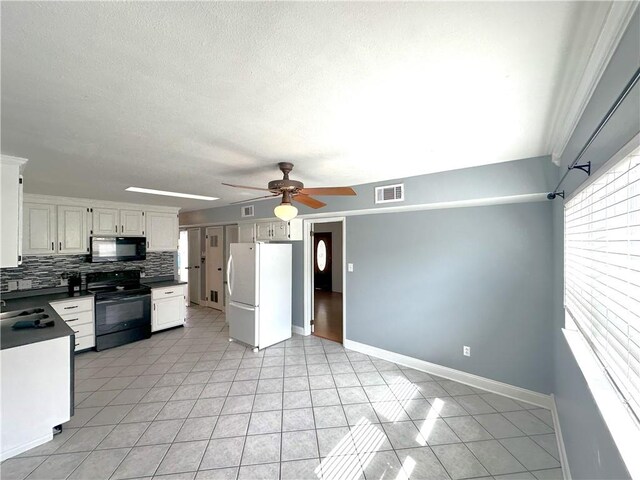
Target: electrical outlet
point(349, 267)
point(24, 284)
point(12, 285)
point(466, 351)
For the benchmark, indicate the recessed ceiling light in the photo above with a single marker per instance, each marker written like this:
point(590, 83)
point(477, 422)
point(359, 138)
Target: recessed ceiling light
point(169, 194)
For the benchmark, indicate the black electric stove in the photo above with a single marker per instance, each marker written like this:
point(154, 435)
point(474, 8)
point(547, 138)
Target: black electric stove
point(122, 307)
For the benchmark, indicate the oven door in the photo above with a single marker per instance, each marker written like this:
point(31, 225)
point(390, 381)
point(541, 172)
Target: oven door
point(114, 315)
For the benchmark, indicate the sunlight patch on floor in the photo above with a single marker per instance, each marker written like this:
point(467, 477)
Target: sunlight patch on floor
point(353, 453)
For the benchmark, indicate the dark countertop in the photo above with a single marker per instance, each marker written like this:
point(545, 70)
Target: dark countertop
point(10, 338)
point(163, 283)
point(39, 300)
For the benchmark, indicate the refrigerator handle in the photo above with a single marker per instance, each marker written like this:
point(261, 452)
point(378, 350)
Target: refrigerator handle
point(229, 266)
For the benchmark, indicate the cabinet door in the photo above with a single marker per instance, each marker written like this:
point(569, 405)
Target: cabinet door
point(167, 313)
point(105, 221)
point(279, 231)
point(10, 207)
point(263, 231)
point(72, 229)
point(162, 231)
point(131, 222)
point(39, 229)
point(246, 232)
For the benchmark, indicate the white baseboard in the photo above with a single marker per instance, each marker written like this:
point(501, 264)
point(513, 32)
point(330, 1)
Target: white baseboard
point(12, 452)
point(511, 391)
point(297, 330)
point(564, 460)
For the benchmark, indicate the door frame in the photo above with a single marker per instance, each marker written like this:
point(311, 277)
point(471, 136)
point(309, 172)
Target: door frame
point(200, 301)
point(308, 273)
point(209, 303)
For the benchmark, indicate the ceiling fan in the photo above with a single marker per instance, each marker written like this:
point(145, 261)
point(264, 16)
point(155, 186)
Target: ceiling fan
point(292, 190)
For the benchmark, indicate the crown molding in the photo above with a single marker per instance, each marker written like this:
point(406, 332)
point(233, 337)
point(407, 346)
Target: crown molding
point(10, 160)
point(93, 203)
point(582, 77)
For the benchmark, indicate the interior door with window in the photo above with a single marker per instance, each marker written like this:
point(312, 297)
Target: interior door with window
point(194, 264)
point(215, 263)
point(322, 261)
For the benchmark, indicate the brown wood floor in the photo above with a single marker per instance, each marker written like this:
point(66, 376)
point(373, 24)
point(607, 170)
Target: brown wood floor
point(328, 315)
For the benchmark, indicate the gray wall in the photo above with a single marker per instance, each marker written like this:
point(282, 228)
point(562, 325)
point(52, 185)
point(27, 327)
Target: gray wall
point(591, 451)
point(426, 283)
point(335, 228)
point(532, 175)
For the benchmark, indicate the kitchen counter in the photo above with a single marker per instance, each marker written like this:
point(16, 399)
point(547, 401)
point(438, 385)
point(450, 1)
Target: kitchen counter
point(33, 301)
point(10, 338)
point(163, 283)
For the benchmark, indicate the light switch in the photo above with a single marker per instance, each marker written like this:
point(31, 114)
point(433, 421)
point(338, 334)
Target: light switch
point(349, 267)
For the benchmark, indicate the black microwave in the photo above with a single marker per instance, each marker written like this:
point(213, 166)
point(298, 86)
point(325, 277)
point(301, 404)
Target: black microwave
point(118, 249)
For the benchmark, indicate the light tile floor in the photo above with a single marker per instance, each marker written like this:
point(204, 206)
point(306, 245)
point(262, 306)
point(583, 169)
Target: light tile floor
point(188, 404)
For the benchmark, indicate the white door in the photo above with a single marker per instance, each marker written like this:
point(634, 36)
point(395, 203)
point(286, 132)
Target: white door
point(183, 256)
point(246, 233)
point(72, 229)
point(39, 229)
point(215, 262)
point(194, 264)
point(279, 231)
point(167, 312)
point(241, 274)
point(243, 323)
point(105, 221)
point(161, 231)
point(263, 231)
point(231, 235)
point(131, 222)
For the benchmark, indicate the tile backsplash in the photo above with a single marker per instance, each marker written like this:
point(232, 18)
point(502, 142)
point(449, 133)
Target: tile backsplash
point(45, 271)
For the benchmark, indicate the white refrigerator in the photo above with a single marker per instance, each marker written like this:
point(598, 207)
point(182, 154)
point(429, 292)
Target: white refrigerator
point(259, 287)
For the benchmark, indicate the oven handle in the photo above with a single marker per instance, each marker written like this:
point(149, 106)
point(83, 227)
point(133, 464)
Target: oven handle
point(123, 299)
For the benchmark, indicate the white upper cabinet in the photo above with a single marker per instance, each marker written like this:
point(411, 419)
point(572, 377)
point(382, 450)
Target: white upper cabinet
point(161, 231)
point(73, 232)
point(64, 225)
point(246, 232)
point(39, 229)
point(11, 211)
point(278, 230)
point(132, 222)
point(105, 221)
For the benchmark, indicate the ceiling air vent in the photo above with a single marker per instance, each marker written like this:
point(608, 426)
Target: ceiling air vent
point(390, 193)
point(247, 211)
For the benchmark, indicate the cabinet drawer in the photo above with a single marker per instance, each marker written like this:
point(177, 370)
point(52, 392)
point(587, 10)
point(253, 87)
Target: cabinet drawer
point(167, 292)
point(83, 329)
point(81, 318)
point(82, 343)
point(72, 306)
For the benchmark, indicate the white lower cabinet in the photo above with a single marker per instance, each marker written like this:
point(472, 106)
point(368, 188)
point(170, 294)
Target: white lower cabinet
point(168, 309)
point(78, 314)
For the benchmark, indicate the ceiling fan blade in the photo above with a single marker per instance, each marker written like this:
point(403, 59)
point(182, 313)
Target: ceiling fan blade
point(256, 198)
point(329, 191)
point(308, 201)
point(244, 186)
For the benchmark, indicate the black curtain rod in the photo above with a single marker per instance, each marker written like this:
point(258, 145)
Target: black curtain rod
point(587, 166)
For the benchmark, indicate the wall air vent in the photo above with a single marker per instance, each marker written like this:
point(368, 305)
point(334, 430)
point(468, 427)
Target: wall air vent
point(390, 193)
point(247, 211)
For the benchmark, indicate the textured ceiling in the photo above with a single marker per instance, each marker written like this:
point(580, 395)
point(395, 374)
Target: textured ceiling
point(182, 96)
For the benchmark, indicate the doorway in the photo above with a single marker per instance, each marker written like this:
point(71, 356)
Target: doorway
point(215, 259)
point(193, 266)
point(324, 284)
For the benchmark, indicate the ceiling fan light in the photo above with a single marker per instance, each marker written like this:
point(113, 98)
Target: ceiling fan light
point(285, 211)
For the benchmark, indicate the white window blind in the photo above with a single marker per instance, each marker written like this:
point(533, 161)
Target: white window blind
point(602, 271)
